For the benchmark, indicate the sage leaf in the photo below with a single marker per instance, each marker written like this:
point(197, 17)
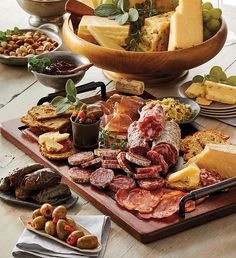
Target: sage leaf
point(121, 19)
point(71, 98)
point(70, 88)
point(58, 101)
point(61, 108)
point(133, 15)
point(105, 10)
point(112, 17)
point(123, 5)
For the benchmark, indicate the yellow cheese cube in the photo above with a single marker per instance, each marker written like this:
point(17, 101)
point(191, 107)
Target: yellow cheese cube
point(195, 90)
point(52, 146)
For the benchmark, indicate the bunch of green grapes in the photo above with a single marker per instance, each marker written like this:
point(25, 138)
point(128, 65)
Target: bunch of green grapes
point(216, 75)
point(211, 20)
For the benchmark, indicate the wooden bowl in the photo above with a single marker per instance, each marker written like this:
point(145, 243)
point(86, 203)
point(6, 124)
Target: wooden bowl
point(151, 67)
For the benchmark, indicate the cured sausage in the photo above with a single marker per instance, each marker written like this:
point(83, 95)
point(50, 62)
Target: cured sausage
point(122, 182)
point(152, 174)
point(106, 152)
point(158, 159)
point(151, 183)
point(137, 159)
point(110, 161)
point(168, 144)
point(125, 165)
point(209, 177)
point(152, 121)
point(112, 166)
point(101, 177)
point(79, 175)
point(136, 143)
point(80, 158)
point(138, 199)
point(91, 163)
point(148, 169)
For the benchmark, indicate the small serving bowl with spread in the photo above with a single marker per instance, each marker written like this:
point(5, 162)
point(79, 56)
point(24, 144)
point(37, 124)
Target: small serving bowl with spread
point(58, 67)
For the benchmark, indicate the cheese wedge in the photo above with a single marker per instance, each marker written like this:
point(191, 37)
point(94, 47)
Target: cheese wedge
point(55, 136)
point(220, 92)
point(103, 40)
point(52, 146)
point(187, 178)
point(218, 157)
point(195, 90)
point(109, 28)
point(186, 25)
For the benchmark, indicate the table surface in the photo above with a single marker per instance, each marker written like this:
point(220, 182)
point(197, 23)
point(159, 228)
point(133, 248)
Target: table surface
point(19, 91)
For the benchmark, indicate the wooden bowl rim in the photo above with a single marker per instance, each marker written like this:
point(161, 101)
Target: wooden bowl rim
point(178, 51)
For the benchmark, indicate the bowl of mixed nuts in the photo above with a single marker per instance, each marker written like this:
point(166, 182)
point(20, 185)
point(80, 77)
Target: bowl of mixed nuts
point(17, 45)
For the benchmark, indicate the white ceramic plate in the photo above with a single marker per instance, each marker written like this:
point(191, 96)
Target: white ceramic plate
point(25, 219)
point(218, 116)
point(213, 106)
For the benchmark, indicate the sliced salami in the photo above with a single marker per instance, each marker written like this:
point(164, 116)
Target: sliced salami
point(80, 158)
point(79, 175)
point(101, 177)
point(122, 182)
point(91, 163)
point(110, 161)
point(158, 159)
point(145, 170)
point(167, 151)
point(152, 183)
point(138, 199)
point(106, 152)
point(209, 177)
point(137, 159)
point(152, 121)
point(125, 165)
point(152, 174)
point(112, 166)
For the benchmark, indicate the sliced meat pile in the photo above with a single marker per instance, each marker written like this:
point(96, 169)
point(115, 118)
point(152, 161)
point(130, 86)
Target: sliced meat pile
point(122, 182)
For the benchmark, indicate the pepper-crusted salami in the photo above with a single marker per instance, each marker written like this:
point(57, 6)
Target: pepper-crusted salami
point(80, 158)
point(79, 175)
point(152, 121)
point(137, 159)
point(151, 183)
point(158, 159)
point(122, 182)
point(101, 177)
point(209, 177)
point(91, 163)
point(124, 163)
point(106, 152)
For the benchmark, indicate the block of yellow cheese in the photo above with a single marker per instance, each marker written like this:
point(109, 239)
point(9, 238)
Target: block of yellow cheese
point(218, 157)
point(52, 146)
point(55, 136)
point(186, 25)
point(195, 90)
point(220, 92)
point(109, 28)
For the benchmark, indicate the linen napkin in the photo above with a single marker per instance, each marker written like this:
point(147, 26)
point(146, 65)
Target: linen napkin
point(32, 245)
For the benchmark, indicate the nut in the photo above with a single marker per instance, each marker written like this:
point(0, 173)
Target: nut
point(12, 53)
point(6, 52)
point(1, 50)
point(15, 46)
point(31, 51)
point(38, 51)
point(18, 51)
point(4, 44)
point(29, 41)
point(35, 45)
point(23, 49)
point(29, 47)
point(26, 44)
point(20, 42)
point(11, 42)
point(47, 46)
point(29, 34)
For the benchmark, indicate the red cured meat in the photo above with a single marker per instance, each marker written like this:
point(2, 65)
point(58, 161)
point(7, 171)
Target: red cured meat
point(112, 166)
point(158, 159)
point(110, 161)
point(151, 183)
point(168, 152)
point(91, 163)
point(80, 158)
point(79, 175)
point(122, 182)
point(138, 199)
point(101, 177)
point(124, 163)
point(152, 174)
point(137, 159)
point(209, 177)
point(152, 121)
point(148, 169)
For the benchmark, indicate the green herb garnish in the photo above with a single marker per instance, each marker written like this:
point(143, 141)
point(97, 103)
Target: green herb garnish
point(38, 64)
point(4, 35)
point(64, 103)
point(115, 144)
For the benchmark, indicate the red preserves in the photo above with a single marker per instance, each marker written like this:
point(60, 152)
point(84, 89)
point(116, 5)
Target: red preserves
point(122, 182)
point(101, 177)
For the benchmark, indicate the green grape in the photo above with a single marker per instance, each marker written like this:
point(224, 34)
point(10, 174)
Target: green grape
point(206, 15)
point(232, 80)
point(213, 25)
point(215, 13)
point(217, 72)
point(206, 33)
point(207, 6)
point(198, 78)
point(212, 78)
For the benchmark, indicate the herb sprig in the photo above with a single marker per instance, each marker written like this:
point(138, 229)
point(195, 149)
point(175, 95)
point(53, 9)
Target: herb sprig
point(38, 64)
point(5, 34)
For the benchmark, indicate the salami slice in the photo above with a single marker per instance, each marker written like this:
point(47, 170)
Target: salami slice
point(101, 177)
point(80, 158)
point(110, 161)
point(125, 165)
point(137, 159)
point(209, 177)
point(79, 175)
point(91, 163)
point(158, 159)
point(152, 183)
point(152, 174)
point(122, 182)
point(148, 169)
point(112, 166)
point(170, 142)
point(106, 152)
point(138, 199)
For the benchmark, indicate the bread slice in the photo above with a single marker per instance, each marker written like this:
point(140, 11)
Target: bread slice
point(56, 155)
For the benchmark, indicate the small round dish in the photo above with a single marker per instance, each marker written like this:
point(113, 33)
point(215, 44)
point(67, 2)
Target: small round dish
point(58, 82)
point(194, 106)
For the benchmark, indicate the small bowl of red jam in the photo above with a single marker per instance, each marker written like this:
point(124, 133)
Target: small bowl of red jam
point(54, 69)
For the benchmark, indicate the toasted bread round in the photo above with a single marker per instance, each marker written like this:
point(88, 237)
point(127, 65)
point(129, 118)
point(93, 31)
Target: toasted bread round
point(56, 155)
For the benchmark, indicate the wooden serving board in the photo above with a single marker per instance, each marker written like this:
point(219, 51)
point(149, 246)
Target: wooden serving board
point(214, 207)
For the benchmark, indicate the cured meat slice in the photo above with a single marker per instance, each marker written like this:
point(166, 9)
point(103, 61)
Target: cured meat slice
point(105, 120)
point(152, 174)
point(148, 169)
point(119, 123)
point(79, 175)
point(110, 161)
point(80, 158)
point(152, 121)
point(158, 159)
point(137, 159)
point(112, 166)
point(102, 152)
point(125, 165)
point(101, 177)
point(168, 144)
point(151, 183)
point(107, 108)
point(91, 163)
point(122, 182)
point(136, 142)
point(209, 177)
point(138, 199)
